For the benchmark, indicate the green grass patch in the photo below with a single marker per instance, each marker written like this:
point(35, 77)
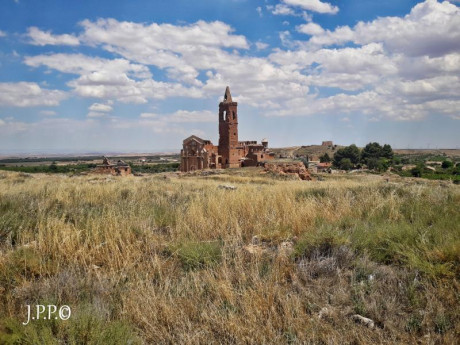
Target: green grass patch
point(84, 327)
point(198, 255)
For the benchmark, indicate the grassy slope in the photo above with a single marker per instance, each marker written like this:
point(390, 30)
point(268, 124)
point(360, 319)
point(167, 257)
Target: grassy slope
point(303, 151)
point(162, 260)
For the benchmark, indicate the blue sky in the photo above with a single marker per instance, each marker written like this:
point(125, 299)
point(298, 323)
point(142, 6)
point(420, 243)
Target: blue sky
point(140, 76)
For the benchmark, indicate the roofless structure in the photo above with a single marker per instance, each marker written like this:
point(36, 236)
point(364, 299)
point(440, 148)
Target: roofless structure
point(200, 153)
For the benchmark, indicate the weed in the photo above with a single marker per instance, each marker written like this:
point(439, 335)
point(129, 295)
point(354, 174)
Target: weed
point(414, 324)
point(197, 255)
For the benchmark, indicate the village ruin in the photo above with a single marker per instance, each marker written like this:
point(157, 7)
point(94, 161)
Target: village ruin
point(119, 168)
point(198, 153)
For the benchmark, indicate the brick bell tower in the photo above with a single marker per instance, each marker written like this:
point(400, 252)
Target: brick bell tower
point(228, 131)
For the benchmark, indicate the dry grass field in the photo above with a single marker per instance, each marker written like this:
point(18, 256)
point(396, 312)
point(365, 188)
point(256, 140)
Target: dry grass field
point(163, 259)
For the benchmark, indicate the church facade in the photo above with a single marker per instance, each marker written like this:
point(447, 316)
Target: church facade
point(198, 153)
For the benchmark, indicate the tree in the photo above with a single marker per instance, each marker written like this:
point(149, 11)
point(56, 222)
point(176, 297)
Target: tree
point(345, 164)
point(387, 152)
point(372, 150)
point(379, 164)
point(377, 157)
point(53, 167)
point(447, 164)
point(325, 158)
point(351, 152)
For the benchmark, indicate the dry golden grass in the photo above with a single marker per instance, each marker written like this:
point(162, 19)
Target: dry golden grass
point(165, 260)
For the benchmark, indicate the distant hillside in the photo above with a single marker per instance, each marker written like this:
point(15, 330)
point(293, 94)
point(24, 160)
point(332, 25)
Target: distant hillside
point(312, 151)
point(318, 150)
point(454, 153)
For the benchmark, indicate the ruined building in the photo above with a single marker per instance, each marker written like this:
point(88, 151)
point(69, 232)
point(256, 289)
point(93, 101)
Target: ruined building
point(199, 153)
point(118, 169)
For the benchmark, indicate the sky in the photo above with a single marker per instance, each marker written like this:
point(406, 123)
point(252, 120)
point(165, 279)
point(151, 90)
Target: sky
point(142, 75)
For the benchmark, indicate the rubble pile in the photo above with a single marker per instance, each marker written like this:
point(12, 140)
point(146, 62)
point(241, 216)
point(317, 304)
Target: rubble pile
point(293, 169)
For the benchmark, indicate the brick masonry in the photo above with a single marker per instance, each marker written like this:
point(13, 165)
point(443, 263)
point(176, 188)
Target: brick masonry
point(199, 153)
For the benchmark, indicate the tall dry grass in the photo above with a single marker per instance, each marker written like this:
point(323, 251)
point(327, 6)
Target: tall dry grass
point(165, 260)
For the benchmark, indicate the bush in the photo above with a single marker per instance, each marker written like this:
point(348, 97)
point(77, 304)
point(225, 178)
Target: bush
point(397, 160)
point(456, 170)
point(417, 171)
point(379, 164)
point(447, 164)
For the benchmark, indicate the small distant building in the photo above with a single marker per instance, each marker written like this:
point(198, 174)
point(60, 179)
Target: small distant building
point(327, 143)
point(317, 167)
point(120, 168)
point(323, 167)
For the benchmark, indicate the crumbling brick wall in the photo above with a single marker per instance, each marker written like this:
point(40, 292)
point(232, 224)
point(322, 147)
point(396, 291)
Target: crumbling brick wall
point(294, 169)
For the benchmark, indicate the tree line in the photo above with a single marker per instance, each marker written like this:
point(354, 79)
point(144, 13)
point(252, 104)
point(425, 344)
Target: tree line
point(380, 158)
point(373, 156)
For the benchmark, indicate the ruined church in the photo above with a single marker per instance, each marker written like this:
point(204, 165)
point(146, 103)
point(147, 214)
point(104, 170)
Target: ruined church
point(199, 153)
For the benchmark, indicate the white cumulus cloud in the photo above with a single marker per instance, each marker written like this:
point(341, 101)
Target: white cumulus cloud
point(98, 107)
point(310, 29)
point(313, 5)
point(281, 10)
point(431, 28)
point(42, 38)
point(27, 94)
point(401, 68)
point(111, 79)
point(261, 45)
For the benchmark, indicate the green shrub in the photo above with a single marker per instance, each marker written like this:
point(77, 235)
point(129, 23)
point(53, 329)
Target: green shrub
point(447, 164)
point(417, 171)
